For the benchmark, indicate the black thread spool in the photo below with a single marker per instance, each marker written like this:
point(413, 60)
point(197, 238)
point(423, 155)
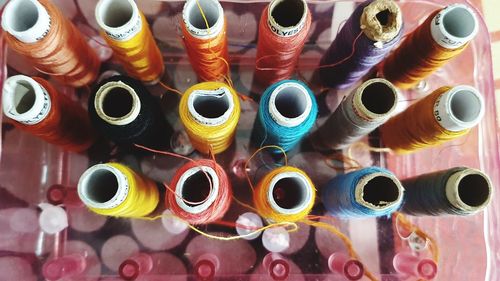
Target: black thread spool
point(123, 110)
point(456, 191)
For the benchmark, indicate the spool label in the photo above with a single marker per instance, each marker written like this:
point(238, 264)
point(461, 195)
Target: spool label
point(44, 110)
point(284, 31)
point(47, 29)
point(442, 36)
point(127, 31)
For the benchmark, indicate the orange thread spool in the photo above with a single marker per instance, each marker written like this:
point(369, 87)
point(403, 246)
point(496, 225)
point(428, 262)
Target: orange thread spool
point(444, 35)
point(36, 107)
point(38, 30)
point(127, 32)
point(206, 46)
point(444, 115)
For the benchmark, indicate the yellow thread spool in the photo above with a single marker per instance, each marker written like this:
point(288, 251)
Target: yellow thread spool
point(285, 194)
point(210, 112)
point(127, 32)
point(113, 189)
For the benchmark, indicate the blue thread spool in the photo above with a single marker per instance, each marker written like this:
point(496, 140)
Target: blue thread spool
point(369, 192)
point(287, 112)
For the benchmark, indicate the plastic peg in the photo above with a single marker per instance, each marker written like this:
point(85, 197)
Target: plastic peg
point(52, 219)
point(136, 265)
point(344, 265)
point(248, 223)
point(206, 267)
point(64, 267)
point(410, 265)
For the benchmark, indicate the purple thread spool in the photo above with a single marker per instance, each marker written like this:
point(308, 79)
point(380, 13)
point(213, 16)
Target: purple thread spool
point(410, 265)
point(373, 29)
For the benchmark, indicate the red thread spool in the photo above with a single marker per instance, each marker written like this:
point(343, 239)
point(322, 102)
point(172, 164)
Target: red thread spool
point(283, 29)
point(196, 199)
point(36, 107)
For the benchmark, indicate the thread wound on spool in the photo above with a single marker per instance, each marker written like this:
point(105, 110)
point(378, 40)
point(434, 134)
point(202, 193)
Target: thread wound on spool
point(117, 103)
point(36, 107)
point(113, 189)
point(198, 199)
point(441, 116)
point(27, 20)
point(369, 192)
point(287, 112)
point(285, 194)
point(210, 112)
point(456, 191)
point(366, 108)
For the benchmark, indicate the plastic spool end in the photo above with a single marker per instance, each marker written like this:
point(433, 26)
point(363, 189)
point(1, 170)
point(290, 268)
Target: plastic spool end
point(195, 23)
point(180, 143)
point(206, 267)
point(287, 17)
point(117, 103)
point(119, 18)
point(381, 20)
point(379, 191)
point(56, 194)
point(353, 270)
point(24, 100)
point(460, 108)
point(129, 270)
point(290, 104)
point(279, 269)
point(454, 26)
point(251, 220)
point(211, 107)
point(192, 185)
point(469, 190)
point(53, 219)
point(427, 269)
point(376, 99)
point(173, 224)
point(102, 187)
point(27, 20)
point(289, 193)
point(276, 239)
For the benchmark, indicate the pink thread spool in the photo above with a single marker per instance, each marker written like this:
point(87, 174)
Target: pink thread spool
point(136, 265)
point(58, 194)
point(410, 265)
point(342, 264)
point(206, 267)
point(276, 266)
point(64, 267)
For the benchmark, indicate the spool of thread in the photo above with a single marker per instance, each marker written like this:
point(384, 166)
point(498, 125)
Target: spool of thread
point(369, 192)
point(344, 265)
point(38, 30)
point(206, 46)
point(286, 194)
point(283, 29)
point(373, 29)
point(123, 110)
point(35, 106)
point(444, 35)
point(198, 200)
point(287, 112)
point(444, 115)
point(127, 32)
point(138, 264)
point(114, 189)
point(456, 191)
point(366, 108)
point(64, 267)
point(210, 112)
point(410, 265)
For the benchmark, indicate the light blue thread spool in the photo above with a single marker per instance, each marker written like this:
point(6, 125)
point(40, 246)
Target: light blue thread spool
point(287, 112)
point(369, 192)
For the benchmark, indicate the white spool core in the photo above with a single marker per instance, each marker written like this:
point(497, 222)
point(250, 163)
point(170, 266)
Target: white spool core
point(27, 20)
point(454, 26)
point(103, 187)
point(376, 99)
point(195, 23)
point(24, 100)
point(117, 103)
point(120, 19)
point(182, 188)
point(469, 190)
point(379, 191)
point(287, 17)
point(460, 108)
point(290, 104)
point(292, 184)
point(211, 107)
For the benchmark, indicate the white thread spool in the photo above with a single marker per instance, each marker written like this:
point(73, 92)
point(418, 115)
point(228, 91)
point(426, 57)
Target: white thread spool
point(379, 191)
point(454, 26)
point(120, 19)
point(103, 187)
point(189, 183)
point(290, 104)
point(287, 17)
point(27, 20)
point(211, 107)
point(460, 108)
point(117, 103)
point(194, 22)
point(249, 219)
point(469, 190)
point(291, 183)
point(25, 100)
